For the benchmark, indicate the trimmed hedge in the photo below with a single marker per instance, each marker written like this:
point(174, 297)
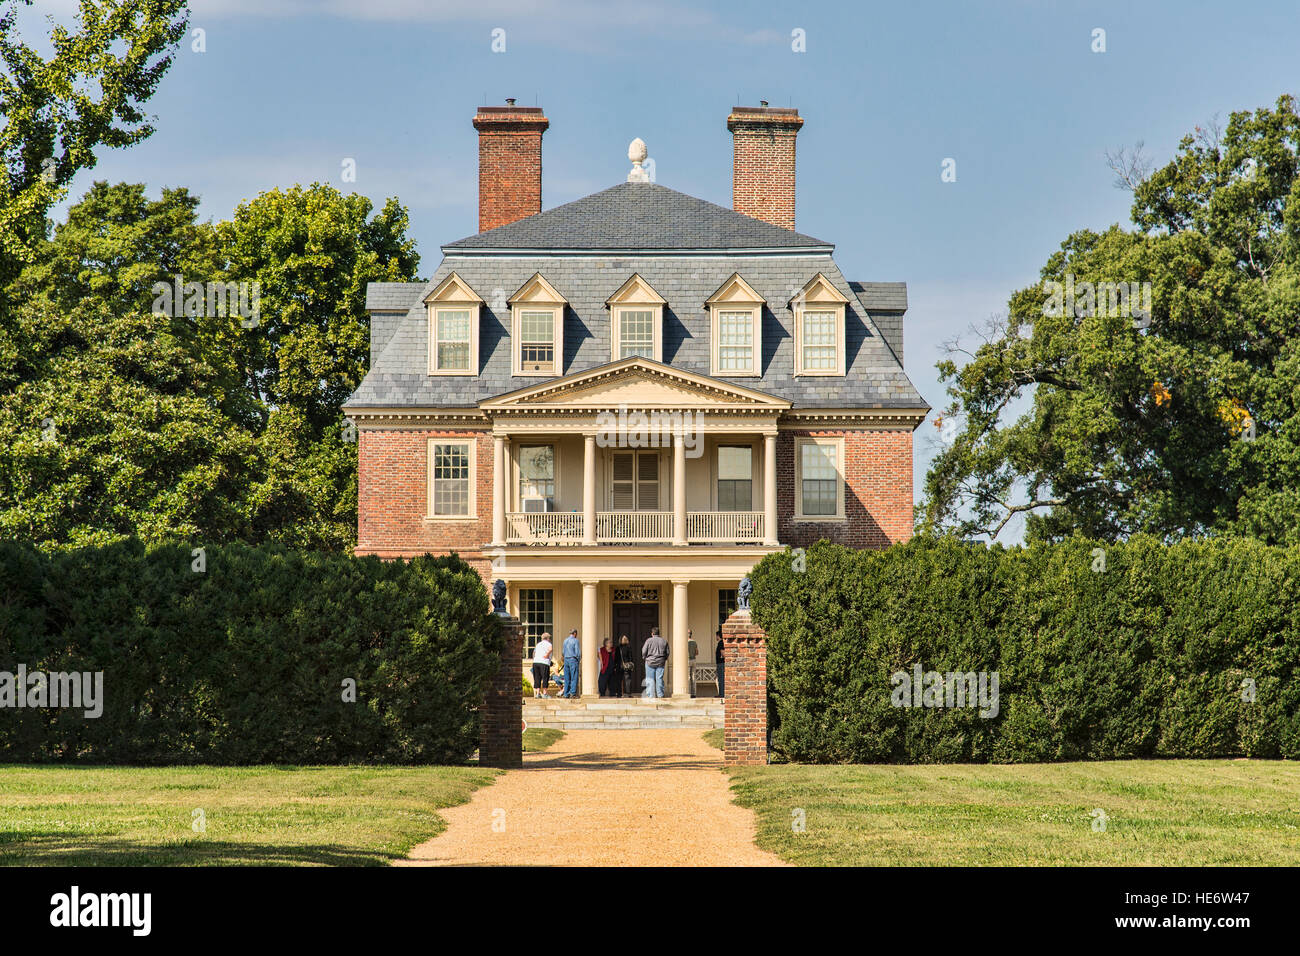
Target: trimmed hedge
point(245, 662)
point(1146, 658)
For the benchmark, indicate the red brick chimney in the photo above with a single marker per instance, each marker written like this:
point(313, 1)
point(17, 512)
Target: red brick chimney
point(509, 163)
point(762, 182)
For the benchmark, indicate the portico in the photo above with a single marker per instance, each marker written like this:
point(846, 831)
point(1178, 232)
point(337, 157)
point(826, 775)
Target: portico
point(633, 478)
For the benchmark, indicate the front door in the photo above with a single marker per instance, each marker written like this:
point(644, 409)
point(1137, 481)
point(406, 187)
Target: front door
point(636, 621)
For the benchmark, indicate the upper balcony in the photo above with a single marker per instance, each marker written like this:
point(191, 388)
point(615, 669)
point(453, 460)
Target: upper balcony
point(634, 454)
point(635, 527)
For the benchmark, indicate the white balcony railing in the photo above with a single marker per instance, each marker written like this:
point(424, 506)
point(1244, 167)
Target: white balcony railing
point(548, 527)
point(725, 527)
point(634, 527)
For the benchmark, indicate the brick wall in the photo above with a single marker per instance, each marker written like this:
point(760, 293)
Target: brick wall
point(877, 493)
point(744, 733)
point(509, 163)
point(501, 735)
point(763, 177)
point(393, 497)
point(393, 494)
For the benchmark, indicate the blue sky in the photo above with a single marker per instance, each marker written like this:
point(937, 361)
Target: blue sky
point(287, 89)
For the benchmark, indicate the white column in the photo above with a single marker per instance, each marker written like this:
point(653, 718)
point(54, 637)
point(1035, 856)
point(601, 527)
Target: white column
point(587, 638)
point(499, 484)
point(769, 490)
point(589, 489)
point(681, 655)
point(679, 490)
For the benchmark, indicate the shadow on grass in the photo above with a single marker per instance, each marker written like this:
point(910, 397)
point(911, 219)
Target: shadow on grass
point(613, 761)
point(83, 849)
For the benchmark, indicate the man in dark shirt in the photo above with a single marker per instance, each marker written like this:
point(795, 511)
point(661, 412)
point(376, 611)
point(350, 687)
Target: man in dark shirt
point(717, 659)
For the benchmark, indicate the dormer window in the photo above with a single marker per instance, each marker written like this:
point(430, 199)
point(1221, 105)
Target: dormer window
point(819, 328)
point(453, 327)
point(636, 321)
point(537, 333)
point(736, 338)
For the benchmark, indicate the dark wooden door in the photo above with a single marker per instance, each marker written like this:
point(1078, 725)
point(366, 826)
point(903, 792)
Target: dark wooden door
point(636, 621)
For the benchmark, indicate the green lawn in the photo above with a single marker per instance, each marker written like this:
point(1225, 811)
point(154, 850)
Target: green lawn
point(714, 737)
point(134, 816)
point(143, 816)
point(1158, 813)
point(537, 739)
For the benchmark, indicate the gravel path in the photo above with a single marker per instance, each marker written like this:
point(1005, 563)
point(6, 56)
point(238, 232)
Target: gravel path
point(604, 798)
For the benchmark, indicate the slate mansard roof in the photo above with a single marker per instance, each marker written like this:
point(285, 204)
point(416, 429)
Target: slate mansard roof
point(686, 249)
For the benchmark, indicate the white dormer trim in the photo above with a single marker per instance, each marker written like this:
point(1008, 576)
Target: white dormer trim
point(817, 298)
point(453, 294)
point(536, 295)
point(636, 295)
point(734, 298)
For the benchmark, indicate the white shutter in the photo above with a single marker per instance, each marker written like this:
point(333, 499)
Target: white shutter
point(623, 497)
point(647, 481)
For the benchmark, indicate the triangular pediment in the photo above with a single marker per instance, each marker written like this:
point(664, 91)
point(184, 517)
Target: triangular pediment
point(453, 289)
point(735, 291)
point(637, 291)
point(634, 383)
point(819, 291)
point(536, 291)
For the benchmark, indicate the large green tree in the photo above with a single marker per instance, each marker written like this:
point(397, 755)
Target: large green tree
point(116, 426)
point(311, 251)
point(58, 111)
point(158, 422)
point(1178, 423)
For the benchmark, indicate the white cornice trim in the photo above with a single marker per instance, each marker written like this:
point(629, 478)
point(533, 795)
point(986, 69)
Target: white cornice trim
point(459, 418)
point(802, 418)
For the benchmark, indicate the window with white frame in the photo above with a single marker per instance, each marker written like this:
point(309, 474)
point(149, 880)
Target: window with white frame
point(735, 478)
point(636, 313)
point(736, 329)
point(820, 484)
point(537, 328)
point(537, 340)
point(537, 614)
point(453, 327)
point(636, 332)
point(820, 341)
point(537, 474)
point(735, 341)
point(451, 340)
point(451, 471)
point(818, 309)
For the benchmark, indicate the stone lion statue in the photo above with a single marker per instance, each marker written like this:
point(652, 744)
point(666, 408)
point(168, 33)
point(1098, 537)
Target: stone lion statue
point(743, 594)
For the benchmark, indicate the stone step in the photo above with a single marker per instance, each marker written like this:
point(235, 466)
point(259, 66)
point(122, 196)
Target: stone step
point(625, 713)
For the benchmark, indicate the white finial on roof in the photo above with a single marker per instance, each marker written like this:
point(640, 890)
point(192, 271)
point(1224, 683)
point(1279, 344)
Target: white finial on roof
point(637, 153)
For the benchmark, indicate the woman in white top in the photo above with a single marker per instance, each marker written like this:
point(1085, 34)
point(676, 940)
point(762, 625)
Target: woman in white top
point(542, 666)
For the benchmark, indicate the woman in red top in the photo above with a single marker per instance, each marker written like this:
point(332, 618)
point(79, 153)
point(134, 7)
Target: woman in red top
point(606, 667)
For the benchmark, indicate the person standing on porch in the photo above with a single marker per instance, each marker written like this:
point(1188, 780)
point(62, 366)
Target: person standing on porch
point(572, 658)
point(607, 675)
point(718, 660)
point(655, 653)
point(626, 661)
point(542, 666)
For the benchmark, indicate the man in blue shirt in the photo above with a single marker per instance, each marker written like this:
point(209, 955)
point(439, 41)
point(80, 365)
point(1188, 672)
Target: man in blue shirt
point(572, 659)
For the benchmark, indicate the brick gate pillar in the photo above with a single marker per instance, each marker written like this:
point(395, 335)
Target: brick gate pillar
point(501, 734)
point(744, 649)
